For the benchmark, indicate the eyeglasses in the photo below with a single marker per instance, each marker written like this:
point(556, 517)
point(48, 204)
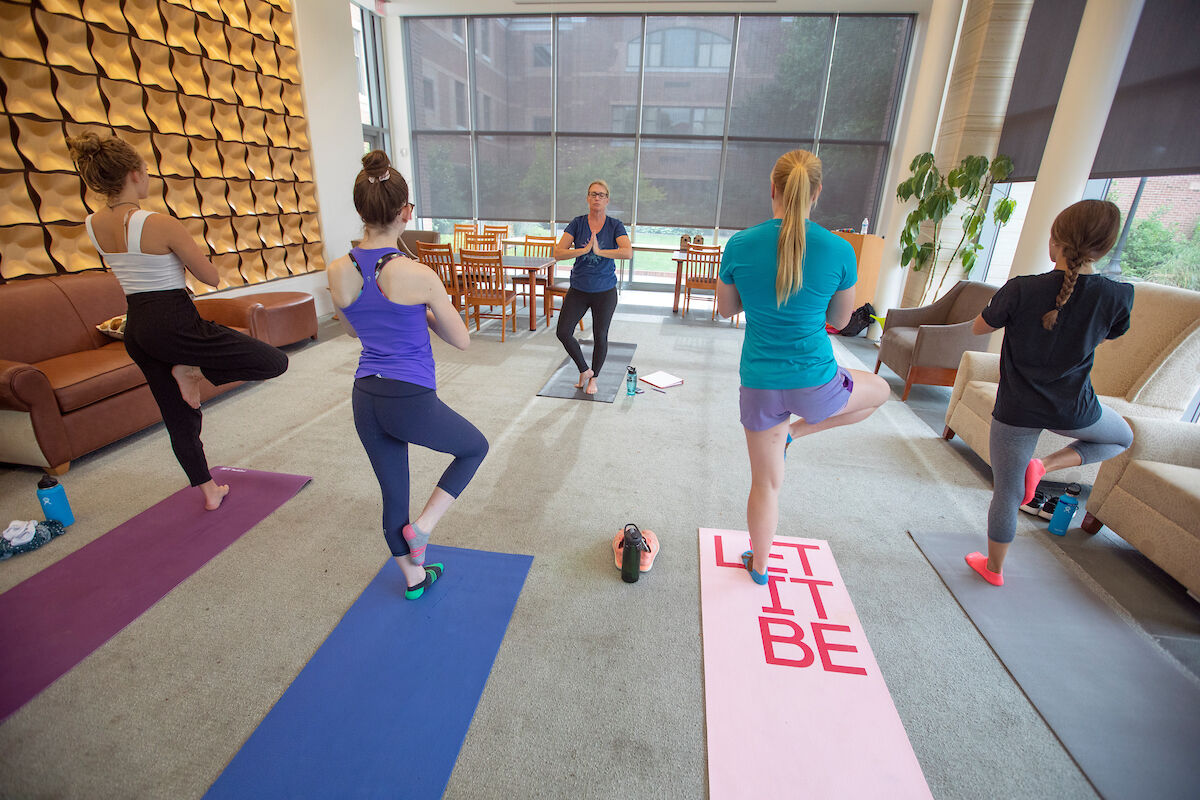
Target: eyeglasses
point(598, 195)
point(409, 206)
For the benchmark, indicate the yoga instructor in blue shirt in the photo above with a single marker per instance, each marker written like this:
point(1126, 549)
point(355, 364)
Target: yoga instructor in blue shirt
point(791, 277)
point(593, 239)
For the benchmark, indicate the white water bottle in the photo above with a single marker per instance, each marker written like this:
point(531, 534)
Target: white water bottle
point(863, 228)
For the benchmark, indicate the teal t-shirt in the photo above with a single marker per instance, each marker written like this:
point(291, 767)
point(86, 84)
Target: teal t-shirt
point(786, 347)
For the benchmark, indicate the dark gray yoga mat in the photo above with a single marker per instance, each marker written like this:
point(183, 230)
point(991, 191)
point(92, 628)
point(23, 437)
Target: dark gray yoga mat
point(611, 380)
point(1127, 714)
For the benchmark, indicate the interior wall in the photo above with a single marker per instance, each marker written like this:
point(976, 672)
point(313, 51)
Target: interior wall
point(207, 92)
point(329, 73)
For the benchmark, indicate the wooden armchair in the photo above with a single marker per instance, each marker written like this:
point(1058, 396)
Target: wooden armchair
point(925, 345)
point(700, 274)
point(483, 274)
point(440, 259)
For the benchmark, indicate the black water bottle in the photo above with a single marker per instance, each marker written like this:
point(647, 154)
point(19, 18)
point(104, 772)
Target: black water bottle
point(631, 554)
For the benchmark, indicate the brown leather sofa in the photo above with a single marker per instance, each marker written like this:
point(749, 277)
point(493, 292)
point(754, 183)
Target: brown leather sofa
point(66, 389)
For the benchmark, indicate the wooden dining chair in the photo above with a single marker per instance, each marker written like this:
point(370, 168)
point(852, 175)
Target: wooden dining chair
point(535, 247)
point(483, 274)
point(460, 231)
point(713, 248)
point(440, 259)
point(479, 241)
point(499, 233)
point(700, 274)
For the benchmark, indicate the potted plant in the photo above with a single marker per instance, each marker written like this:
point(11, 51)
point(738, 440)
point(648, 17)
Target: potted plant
point(937, 195)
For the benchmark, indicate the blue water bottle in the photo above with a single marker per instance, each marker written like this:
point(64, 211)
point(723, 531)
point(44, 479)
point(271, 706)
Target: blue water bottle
point(631, 381)
point(53, 499)
point(1064, 512)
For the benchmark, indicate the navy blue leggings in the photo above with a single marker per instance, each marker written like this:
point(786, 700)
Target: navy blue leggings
point(390, 415)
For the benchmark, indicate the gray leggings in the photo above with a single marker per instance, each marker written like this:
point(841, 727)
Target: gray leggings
point(1011, 448)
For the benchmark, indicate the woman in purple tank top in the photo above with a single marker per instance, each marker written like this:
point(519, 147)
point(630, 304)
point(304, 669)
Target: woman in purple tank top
point(391, 303)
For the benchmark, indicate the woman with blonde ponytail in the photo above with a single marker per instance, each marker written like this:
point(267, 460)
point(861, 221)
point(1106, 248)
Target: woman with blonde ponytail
point(1052, 323)
point(791, 277)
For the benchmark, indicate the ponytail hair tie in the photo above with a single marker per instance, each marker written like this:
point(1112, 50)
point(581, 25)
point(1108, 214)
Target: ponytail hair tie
point(381, 178)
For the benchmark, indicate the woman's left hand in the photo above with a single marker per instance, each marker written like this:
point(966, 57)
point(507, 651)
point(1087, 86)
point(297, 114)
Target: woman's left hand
point(596, 244)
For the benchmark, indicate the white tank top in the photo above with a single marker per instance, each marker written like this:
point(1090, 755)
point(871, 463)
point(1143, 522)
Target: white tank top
point(137, 271)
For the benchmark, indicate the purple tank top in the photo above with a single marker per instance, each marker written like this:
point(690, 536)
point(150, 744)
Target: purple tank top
point(395, 337)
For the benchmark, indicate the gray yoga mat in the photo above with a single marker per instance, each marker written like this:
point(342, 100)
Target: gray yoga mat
point(1127, 714)
point(611, 380)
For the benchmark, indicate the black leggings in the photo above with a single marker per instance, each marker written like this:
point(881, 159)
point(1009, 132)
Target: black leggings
point(163, 329)
point(390, 415)
point(575, 305)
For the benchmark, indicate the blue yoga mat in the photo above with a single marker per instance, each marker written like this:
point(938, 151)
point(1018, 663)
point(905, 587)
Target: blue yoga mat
point(340, 729)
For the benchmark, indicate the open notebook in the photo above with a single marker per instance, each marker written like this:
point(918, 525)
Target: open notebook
point(662, 380)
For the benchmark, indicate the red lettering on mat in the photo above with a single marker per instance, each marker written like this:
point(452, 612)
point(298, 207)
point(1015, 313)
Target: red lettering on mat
point(823, 647)
point(813, 583)
point(769, 641)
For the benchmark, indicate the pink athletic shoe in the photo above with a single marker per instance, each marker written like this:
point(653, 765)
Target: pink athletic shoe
point(618, 544)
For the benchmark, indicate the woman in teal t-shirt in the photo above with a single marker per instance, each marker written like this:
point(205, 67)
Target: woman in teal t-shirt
point(791, 277)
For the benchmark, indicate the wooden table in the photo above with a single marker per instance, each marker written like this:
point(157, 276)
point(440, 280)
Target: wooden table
point(531, 266)
point(678, 257)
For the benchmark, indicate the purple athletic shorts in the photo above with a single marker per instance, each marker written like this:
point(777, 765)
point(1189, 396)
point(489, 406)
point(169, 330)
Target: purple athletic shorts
point(766, 408)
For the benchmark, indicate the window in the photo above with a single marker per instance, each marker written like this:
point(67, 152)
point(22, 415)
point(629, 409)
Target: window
point(368, 52)
point(683, 116)
point(681, 47)
point(430, 89)
point(460, 104)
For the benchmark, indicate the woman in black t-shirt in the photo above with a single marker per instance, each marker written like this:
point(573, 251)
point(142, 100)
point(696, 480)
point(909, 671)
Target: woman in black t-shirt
point(1052, 323)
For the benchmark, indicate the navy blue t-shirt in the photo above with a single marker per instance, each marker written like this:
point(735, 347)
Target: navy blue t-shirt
point(592, 273)
point(1045, 375)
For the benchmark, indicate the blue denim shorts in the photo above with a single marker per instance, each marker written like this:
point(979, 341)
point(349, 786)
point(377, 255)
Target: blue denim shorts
point(765, 408)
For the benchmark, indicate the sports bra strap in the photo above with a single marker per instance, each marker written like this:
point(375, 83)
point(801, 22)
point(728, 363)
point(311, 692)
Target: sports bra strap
point(379, 265)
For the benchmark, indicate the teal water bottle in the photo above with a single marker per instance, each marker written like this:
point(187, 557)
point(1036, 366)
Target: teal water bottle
point(52, 497)
point(1064, 512)
point(631, 381)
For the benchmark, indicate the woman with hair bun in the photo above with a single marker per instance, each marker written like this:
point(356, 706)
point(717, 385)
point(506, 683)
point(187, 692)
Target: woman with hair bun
point(164, 335)
point(391, 303)
point(1052, 324)
point(791, 277)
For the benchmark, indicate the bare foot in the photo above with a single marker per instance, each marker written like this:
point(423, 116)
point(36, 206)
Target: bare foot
point(591, 387)
point(213, 494)
point(188, 379)
point(584, 377)
point(413, 574)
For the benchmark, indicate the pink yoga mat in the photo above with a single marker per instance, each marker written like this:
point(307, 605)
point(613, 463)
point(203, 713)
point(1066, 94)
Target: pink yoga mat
point(795, 704)
point(55, 619)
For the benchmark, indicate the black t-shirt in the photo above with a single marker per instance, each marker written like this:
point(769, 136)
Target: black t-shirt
point(1045, 376)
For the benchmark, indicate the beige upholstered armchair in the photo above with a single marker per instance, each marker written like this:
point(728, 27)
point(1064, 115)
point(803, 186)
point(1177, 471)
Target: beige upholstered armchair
point(1150, 496)
point(1151, 371)
point(924, 345)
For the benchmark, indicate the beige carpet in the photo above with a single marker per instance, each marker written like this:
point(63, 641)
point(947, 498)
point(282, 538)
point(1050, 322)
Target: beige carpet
point(597, 689)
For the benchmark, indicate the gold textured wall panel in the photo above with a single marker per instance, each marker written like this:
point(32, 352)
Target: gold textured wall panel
point(207, 91)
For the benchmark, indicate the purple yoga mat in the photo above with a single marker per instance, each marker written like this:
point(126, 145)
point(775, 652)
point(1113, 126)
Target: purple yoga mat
point(55, 619)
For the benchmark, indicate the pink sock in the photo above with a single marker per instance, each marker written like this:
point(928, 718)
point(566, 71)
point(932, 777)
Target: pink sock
point(978, 562)
point(1033, 474)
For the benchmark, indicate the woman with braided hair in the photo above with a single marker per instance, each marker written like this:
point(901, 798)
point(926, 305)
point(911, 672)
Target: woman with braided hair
point(1052, 323)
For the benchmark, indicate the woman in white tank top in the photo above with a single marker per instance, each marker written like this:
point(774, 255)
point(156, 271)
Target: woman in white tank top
point(164, 335)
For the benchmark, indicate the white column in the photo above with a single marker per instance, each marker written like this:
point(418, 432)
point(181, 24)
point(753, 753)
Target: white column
point(1105, 33)
point(917, 130)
